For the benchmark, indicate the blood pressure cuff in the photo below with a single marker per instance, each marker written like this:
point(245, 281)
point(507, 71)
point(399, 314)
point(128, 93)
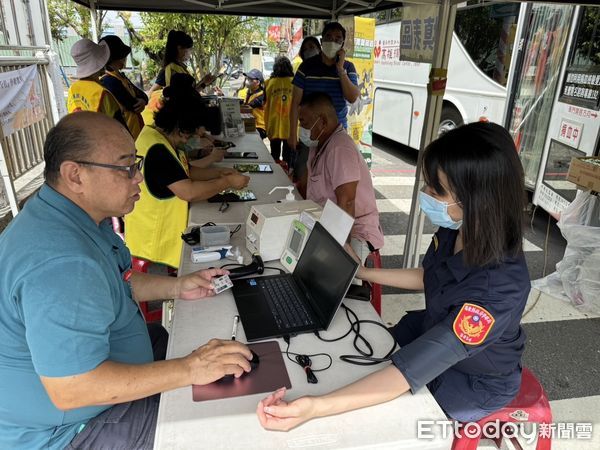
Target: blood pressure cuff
point(466, 331)
point(428, 356)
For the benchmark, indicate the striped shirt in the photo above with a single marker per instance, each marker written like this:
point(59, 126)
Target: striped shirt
point(315, 76)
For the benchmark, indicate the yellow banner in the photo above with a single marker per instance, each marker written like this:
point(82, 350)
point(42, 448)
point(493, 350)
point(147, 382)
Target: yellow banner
point(360, 113)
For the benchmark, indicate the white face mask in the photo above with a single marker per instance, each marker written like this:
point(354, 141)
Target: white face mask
point(311, 52)
point(304, 136)
point(330, 49)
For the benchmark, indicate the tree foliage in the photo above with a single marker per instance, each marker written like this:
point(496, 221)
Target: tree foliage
point(66, 14)
point(215, 37)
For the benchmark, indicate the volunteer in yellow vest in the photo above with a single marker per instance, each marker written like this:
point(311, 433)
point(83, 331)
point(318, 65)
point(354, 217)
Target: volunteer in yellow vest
point(278, 91)
point(153, 230)
point(178, 52)
point(86, 93)
point(255, 98)
point(132, 99)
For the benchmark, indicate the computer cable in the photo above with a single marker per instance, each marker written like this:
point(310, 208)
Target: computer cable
point(305, 362)
point(365, 357)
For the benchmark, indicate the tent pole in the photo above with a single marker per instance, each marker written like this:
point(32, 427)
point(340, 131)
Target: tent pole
point(441, 54)
point(94, 16)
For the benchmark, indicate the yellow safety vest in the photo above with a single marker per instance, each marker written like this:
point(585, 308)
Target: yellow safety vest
point(86, 95)
point(172, 68)
point(134, 121)
point(153, 229)
point(154, 104)
point(258, 113)
point(278, 107)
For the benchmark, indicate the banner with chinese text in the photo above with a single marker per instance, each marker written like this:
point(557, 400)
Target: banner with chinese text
point(360, 113)
point(20, 102)
point(418, 33)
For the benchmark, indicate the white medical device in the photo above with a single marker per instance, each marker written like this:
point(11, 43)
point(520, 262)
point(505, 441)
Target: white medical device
point(267, 226)
point(297, 237)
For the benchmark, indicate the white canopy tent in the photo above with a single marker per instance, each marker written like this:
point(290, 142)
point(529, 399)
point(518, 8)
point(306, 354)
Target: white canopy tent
point(332, 9)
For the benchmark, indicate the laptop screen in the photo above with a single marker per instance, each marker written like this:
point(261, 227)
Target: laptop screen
point(326, 271)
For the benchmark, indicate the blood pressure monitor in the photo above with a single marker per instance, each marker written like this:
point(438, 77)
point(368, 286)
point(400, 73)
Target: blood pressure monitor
point(294, 245)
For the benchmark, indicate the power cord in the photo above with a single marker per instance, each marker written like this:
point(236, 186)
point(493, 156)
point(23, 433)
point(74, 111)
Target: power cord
point(305, 362)
point(365, 357)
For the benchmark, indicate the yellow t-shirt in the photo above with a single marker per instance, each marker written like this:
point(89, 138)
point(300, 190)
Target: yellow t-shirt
point(278, 106)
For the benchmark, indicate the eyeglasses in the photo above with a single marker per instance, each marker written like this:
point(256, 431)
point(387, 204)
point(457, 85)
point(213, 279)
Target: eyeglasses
point(131, 170)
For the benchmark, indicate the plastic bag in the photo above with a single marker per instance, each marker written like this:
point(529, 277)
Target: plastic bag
point(577, 277)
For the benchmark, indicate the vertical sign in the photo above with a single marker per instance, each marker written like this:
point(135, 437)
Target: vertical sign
point(418, 33)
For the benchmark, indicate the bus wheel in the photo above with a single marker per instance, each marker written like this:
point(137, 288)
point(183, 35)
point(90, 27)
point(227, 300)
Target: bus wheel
point(450, 119)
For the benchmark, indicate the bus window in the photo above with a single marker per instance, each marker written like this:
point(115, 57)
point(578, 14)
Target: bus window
point(581, 85)
point(488, 32)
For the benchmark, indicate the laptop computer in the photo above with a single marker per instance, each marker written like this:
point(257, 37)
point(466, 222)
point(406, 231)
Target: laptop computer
point(303, 301)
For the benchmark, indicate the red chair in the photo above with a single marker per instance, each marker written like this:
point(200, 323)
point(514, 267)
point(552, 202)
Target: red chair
point(530, 405)
point(140, 265)
point(374, 260)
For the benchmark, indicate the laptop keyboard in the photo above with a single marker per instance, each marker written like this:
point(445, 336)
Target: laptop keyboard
point(287, 309)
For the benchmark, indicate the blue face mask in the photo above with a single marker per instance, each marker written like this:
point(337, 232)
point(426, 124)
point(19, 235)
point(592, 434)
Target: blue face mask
point(437, 211)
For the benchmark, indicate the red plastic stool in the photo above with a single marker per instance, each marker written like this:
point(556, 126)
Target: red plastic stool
point(141, 265)
point(530, 405)
point(374, 260)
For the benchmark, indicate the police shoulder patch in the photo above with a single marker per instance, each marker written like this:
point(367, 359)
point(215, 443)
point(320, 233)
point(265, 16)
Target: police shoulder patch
point(472, 324)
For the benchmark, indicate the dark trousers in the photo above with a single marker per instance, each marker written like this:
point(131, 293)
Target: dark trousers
point(130, 425)
point(277, 147)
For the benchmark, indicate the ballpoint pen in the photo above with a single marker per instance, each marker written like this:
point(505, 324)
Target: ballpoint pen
point(236, 320)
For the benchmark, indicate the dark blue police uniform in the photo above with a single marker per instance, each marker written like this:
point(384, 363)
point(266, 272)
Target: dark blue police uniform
point(466, 346)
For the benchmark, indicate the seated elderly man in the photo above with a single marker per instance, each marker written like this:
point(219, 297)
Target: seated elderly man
point(76, 360)
point(338, 172)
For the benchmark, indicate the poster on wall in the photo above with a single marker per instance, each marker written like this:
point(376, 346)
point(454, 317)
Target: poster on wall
point(360, 113)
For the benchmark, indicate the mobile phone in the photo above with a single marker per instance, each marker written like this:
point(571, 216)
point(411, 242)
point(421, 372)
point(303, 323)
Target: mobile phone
point(241, 155)
point(254, 168)
point(223, 144)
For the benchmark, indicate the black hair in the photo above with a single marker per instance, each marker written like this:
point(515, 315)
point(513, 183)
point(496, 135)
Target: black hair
point(484, 174)
point(334, 26)
point(312, 39)
point(317, 99)
point(181, 83)
point(282, 67)
point(176, 39)
point(183, 110)
point(66, 141)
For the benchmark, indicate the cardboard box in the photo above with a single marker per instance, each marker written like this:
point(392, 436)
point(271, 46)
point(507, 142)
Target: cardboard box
point(585, 173)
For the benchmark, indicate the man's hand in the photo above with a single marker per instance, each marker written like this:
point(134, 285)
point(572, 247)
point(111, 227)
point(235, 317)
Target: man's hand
point(237, 181)
point(292, 140)
point(276, 414)
point(197, 285)
point(341, 58)
point(216, 359)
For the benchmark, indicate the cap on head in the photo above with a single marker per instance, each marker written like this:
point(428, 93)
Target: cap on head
point(255, 74)
point(118, 49)
point(89, 57)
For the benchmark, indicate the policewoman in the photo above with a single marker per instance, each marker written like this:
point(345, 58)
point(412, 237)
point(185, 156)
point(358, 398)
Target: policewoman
point(466, 345)
point(87, 93)
point(130, 97)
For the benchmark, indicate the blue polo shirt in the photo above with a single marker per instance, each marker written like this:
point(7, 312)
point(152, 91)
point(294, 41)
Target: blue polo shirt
point(470, 340)
point(65, 310)
point(315, 76)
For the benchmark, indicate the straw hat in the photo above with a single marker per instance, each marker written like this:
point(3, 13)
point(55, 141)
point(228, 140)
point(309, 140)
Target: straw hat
point(89, 57)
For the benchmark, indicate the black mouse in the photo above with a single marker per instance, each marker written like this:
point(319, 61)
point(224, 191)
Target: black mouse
point(254, 361)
